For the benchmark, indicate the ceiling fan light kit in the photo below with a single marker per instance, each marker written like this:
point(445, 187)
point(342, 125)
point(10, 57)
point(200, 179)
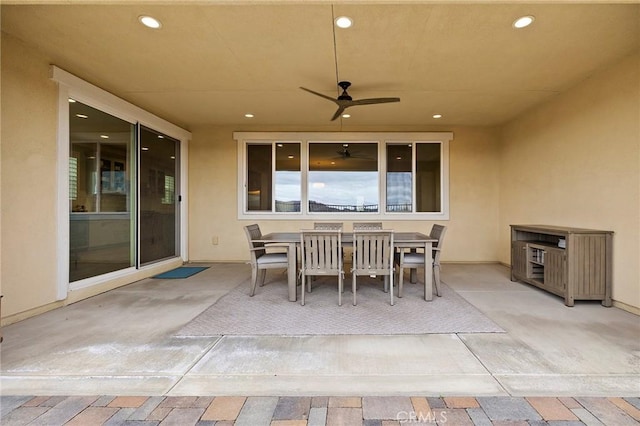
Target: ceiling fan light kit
point(345, 101)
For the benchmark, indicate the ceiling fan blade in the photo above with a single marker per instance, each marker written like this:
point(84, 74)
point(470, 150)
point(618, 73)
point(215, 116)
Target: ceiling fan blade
point(319, 94)
point(338, 112)
point(374, 101)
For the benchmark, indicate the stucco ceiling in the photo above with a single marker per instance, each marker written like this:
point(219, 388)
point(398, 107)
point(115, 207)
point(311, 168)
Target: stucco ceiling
point(212, 62)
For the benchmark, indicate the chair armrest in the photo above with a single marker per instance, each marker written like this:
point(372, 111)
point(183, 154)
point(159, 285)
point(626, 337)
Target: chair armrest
point(271, 246)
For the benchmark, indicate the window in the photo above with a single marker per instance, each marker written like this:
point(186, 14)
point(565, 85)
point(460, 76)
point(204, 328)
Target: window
point(261, 177)
point(397, 176)
point(288, 191)
point(414, 168)
point(343, 177)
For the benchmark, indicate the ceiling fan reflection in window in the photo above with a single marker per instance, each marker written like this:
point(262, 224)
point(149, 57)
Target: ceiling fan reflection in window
point(345, 101)
point(345, 154)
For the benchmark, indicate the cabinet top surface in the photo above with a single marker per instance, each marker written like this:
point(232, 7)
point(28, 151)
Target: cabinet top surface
point(558, 229)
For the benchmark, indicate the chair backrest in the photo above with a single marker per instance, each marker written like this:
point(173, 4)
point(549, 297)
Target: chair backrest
point(253, 232)
point(321, 251)
point(372, 252)
point(328, 225)
point(437, 233)
point(367, 225)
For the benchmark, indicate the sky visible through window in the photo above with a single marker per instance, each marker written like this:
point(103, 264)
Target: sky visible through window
point(344, 188)
point(330, 188)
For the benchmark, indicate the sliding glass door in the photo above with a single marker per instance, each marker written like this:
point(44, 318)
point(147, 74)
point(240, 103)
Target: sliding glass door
point(158, 199)
point(111, 185)
point(101, 202)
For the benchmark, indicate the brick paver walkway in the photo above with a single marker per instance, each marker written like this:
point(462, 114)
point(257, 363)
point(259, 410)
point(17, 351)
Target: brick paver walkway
point(316, 411)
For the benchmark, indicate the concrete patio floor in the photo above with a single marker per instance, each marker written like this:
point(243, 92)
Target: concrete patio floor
point(122, 343)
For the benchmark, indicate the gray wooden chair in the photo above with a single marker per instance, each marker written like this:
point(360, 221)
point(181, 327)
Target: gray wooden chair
point(328, 225)
point(372, 256)
point(359, 226)
point(261, 260)
point(415, 260)
point(321, 254)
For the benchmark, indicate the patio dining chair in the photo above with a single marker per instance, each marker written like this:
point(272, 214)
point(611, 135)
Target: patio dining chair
point(359, 226)
point(372, 256)
point(328, 225)
point(321, 254)
point(261, 259)
point(415, 260)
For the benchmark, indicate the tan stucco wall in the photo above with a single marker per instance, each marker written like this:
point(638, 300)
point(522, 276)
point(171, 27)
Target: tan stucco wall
point(575, 161)
point(29, 126)
point(472, 233)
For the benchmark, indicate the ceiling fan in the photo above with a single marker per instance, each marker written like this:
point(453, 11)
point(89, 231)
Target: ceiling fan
point(345, 101)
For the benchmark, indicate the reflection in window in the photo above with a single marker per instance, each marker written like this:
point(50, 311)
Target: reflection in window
point(288, 191)
point(73, 179)
point(157, 202)
point(169, 190)
point(343, 177)
point(399, 182)
point(100, 199)
point(428, 177)
point(259, 177)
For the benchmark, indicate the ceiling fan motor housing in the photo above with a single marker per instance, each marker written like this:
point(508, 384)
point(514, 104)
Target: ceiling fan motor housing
point(344, 96)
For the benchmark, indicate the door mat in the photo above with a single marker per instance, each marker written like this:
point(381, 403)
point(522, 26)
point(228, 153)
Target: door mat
point(181, 272)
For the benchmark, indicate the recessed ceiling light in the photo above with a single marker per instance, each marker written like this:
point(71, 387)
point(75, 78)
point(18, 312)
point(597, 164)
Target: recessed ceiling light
point(344, 22)
point(160, 137)
point(104, 136)
point(173, 157)
point(71, 101)
point(144, 148)
point(82, 116)
point(346, 115)
point(437, 115)
point(149, 21)
point(249, 115)
point(290, 157)
point(280, 145)
point(523, 21)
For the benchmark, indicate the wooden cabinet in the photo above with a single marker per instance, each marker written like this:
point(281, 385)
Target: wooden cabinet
point(572, 263)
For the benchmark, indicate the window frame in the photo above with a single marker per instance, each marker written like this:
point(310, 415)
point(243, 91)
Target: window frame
point(244, 139)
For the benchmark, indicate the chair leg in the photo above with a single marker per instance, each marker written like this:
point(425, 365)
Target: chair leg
point(254, 280)
point(353, 287)
point(436, 279)
point(385, 278)
point(390, 276)
point(263, 275)
point(340, 285)
point(302, 290)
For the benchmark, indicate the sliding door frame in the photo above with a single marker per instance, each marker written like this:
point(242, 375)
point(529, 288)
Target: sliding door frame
point(70, 86)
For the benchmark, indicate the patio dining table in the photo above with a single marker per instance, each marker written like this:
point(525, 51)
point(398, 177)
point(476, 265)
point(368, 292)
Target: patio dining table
point(401, 240)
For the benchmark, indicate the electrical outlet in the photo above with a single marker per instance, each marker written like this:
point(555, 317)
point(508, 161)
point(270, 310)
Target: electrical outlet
point(214, 240)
